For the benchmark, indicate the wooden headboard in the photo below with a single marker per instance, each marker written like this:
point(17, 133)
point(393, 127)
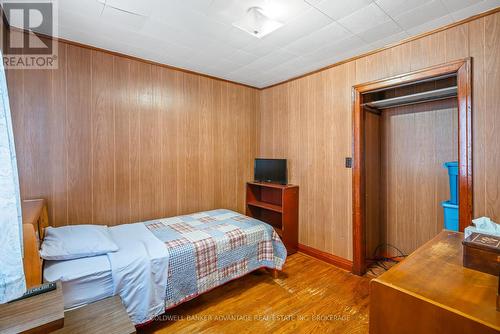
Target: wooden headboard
point(32, 262)
point(35, 220)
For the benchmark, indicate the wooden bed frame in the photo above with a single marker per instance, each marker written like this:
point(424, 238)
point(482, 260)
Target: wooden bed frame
point(35, 220)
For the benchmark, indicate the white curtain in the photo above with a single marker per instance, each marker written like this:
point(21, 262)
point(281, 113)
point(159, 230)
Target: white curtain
point(12, 281)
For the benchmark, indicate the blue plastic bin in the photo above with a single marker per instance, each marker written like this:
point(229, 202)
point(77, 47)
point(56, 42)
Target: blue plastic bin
point(450, 216)
point(453, 176)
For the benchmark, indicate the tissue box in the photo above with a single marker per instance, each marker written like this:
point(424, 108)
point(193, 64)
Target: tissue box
point(482, 253)
point(483, 225)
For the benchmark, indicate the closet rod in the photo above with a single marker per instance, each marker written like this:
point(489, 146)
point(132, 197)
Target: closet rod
point(432, 95)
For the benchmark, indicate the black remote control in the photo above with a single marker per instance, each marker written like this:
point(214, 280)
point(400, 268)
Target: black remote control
point(37, 290)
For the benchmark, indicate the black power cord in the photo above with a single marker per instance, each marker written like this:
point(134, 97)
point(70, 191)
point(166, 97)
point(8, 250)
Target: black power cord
point(379, 260)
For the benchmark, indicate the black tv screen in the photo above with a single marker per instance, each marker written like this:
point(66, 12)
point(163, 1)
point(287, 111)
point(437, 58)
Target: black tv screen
point(270, 170)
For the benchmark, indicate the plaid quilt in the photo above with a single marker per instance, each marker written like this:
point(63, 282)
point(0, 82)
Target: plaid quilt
point(207, 249)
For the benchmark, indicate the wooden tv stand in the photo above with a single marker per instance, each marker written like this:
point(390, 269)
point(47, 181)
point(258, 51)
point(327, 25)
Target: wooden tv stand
point(277, 205)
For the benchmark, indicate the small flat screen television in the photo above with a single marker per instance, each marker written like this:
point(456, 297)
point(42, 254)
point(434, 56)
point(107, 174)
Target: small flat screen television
point(270, 170)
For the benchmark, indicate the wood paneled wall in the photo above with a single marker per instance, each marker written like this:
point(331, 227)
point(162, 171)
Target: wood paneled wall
point(308, 121)
point(110, 140)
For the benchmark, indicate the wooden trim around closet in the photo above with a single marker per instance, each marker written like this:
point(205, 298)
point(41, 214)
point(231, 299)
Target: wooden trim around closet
point(463, 70)
point(464, 83)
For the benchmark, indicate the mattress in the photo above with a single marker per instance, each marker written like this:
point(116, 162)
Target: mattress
point(84, 280)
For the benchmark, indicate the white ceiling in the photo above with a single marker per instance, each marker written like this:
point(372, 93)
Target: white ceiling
point(198, 34)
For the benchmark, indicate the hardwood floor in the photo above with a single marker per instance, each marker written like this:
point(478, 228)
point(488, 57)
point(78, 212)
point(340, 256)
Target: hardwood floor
point(311, 296)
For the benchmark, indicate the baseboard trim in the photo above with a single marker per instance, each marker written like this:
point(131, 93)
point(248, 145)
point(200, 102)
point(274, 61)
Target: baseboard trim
point(327, 257)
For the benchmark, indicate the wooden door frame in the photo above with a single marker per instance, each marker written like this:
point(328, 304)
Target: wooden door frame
point(463, 70)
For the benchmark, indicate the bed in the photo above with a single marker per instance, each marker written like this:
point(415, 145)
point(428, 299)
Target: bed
point(198, 252)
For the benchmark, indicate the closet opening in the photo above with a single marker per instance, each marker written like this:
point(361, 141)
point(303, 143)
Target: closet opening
point(405, 128)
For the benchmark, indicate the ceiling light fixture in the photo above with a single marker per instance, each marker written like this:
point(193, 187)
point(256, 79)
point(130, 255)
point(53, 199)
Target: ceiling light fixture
point(256, 23)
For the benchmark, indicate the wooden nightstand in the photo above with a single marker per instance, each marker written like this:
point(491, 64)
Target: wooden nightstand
point(38, 314)
point(104, 316)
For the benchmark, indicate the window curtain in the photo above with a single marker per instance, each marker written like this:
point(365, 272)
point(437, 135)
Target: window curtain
point(12, 281)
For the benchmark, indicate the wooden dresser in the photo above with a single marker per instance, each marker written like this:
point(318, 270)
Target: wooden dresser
point(431, 292)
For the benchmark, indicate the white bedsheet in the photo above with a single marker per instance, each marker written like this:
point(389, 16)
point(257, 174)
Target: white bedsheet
point(139, 269)
point(84, 280)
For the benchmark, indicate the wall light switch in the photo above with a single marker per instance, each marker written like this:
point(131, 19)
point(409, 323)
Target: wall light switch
point(348, 162)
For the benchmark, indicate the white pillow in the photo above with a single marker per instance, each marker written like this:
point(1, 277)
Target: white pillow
point(76, 241)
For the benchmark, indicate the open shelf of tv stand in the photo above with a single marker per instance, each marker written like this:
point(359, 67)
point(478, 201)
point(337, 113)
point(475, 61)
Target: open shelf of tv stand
point(267, 206)
point(278, 206)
